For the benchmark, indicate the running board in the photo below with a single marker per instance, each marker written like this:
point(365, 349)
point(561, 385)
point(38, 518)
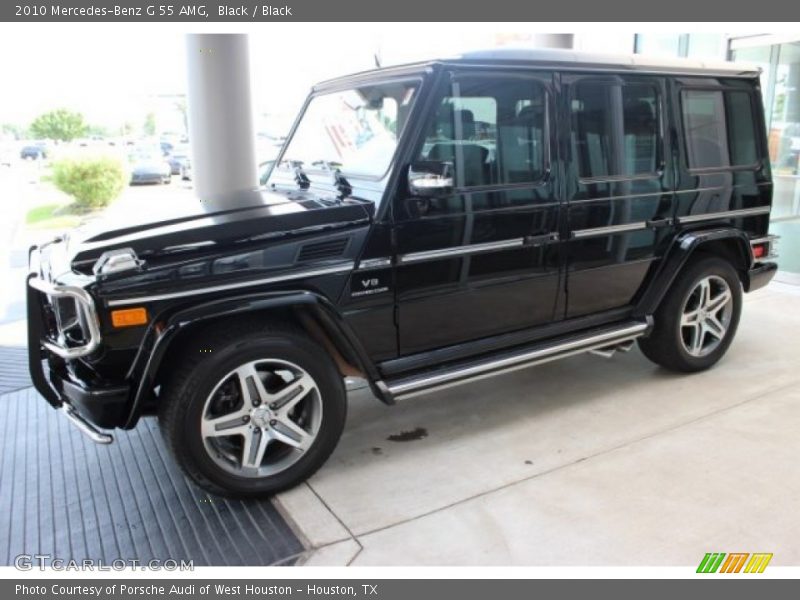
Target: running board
point(602, 338)
point(609, 351)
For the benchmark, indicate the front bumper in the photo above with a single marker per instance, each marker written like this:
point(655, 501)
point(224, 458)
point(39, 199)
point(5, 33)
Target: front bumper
point(88, 405)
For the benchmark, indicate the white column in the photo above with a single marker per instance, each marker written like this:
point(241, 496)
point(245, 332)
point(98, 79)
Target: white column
point(554, 40)
point(221, 132)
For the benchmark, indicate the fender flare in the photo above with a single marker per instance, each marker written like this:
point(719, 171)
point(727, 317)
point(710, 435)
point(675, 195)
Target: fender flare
point(157, 341)
point(678, 254)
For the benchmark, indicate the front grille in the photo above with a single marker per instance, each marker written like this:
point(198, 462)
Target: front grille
point(69, 325)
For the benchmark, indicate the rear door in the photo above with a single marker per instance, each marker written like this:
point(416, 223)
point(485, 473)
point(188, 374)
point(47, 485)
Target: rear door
point(619, 189)
point(483, 259)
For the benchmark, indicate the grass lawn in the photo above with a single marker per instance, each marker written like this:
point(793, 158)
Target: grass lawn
point(52, 216)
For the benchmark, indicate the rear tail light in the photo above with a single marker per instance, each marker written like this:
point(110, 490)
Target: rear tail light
point(764, 247)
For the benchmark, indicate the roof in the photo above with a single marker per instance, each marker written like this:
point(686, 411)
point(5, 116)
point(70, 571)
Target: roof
point(569, 60)
point(580, 60)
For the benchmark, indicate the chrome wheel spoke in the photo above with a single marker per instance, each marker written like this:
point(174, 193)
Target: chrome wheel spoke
point(696, 341)
point(250, 383)
point(690, 319)
point(254, 447)
point(287, 398)
point(291, 434)
point(234, 423)
point(704, 289)
point(719, 301)
point(714, 327)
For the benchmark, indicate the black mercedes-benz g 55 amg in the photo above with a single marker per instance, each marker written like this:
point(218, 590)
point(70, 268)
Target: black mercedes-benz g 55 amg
point(424, 226)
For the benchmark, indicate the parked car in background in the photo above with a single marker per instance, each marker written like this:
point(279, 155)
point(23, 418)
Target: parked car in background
point(33, 152)
point(176, 160)
point(186, 169)
point(150, 168)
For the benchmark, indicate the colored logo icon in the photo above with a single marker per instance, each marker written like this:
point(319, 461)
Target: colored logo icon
point(735, 562)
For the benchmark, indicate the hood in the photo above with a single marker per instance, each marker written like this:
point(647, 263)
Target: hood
point(249, 216)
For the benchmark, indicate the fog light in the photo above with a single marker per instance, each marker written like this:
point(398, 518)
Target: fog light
point(129, 317)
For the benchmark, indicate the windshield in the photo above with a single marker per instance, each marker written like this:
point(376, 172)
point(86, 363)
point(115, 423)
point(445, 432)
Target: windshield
point(354, 130)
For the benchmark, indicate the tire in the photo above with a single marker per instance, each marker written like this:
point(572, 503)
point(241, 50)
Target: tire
point(204, 400)
point(694, 325)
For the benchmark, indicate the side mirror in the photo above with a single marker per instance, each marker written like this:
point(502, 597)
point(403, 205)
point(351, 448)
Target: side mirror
point(428, 179)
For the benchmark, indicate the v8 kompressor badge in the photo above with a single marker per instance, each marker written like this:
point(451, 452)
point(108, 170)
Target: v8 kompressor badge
point(367, 284)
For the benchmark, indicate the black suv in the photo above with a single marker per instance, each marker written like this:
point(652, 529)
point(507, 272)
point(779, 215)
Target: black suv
point(424, 226)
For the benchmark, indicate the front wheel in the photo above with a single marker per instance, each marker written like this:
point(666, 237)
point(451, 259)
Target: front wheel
point(251, 413)
point(697, 321)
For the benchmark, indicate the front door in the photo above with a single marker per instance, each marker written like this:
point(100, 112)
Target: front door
point(483, 259)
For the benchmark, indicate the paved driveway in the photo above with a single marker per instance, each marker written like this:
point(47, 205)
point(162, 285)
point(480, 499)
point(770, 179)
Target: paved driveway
point(585, 461)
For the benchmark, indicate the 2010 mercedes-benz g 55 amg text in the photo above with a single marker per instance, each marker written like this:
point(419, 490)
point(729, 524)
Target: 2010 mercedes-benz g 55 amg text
point(424, 226)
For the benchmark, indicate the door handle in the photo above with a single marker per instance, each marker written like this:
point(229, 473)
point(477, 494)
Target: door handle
point(659, 223)
point(538, 240)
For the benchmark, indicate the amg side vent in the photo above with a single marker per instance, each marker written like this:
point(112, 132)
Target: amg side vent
point(320, 250)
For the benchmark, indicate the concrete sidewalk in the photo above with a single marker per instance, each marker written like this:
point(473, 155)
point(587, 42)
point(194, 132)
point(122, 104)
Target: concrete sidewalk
point(581, 462)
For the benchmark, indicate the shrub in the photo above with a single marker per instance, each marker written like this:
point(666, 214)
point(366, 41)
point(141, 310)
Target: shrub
point(92, 182)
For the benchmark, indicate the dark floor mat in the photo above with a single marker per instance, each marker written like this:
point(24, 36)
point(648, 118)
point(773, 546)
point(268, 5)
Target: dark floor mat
point(13, 369)
point(62, 495)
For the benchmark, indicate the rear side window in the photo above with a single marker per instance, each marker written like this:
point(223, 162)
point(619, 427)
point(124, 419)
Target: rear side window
point(719, 128)
point(615, 129)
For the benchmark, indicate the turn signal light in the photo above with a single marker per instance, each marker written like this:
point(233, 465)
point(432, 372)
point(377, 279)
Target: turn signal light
point(129, 317)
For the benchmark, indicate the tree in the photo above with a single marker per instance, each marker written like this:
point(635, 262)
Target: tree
point(98, 130)
point(150, 124)
point(18, 132)
point(181, 107)
point(60, 124)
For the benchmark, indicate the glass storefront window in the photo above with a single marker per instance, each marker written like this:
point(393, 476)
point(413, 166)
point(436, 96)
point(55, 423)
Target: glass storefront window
point(784, 133)
point(706, 45)
point(656, 44)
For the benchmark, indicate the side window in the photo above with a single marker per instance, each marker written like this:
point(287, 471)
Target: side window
point(719, 128)
point(492, 130)
point(615, 129)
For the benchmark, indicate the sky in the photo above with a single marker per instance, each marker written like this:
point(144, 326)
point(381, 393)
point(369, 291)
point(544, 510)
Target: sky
point(111, 73)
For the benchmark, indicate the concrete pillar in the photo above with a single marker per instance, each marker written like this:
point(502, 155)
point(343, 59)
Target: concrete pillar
point(553, 40)
point(221, 132)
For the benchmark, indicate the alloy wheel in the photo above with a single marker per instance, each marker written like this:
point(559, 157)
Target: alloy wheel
point(261, 418)
point(706, 316)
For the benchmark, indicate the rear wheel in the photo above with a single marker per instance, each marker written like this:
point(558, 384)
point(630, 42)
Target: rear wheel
point(253, 412)
point(697, 321)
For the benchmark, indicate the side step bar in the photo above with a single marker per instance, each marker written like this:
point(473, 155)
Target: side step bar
point(603, 338)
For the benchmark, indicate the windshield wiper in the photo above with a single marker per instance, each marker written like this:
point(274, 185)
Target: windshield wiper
point(341, 183)
point(300, 177)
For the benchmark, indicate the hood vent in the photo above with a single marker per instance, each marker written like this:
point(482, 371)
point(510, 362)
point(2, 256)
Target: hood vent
point(319, 250)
